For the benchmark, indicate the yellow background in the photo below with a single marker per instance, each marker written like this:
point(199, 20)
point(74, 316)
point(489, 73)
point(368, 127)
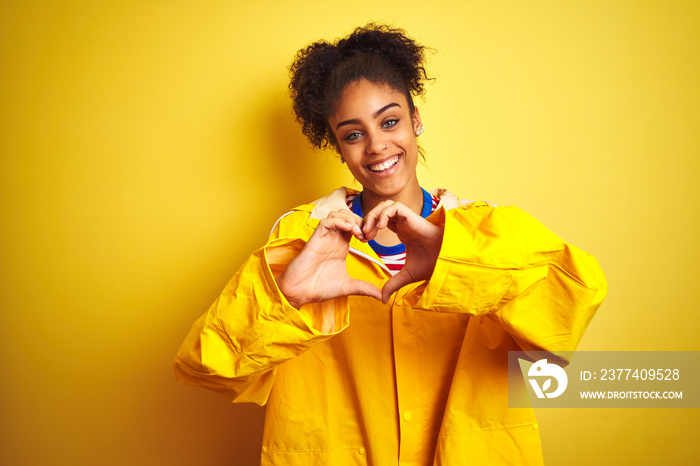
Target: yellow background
point(135, 136)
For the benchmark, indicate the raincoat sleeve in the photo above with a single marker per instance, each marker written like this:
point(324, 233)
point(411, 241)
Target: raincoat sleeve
point(250, 329)
point(500, 263)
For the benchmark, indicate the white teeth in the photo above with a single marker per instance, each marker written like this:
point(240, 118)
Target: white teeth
point(384, 165)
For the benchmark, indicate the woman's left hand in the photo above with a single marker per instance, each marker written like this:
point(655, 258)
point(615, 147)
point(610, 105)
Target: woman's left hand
point(421, 238)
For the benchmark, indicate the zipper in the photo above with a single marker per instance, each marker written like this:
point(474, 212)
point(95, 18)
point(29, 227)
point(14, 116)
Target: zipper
point(359, 253)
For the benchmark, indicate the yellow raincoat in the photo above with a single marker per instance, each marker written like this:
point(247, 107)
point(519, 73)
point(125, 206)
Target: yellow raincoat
point(420, 380)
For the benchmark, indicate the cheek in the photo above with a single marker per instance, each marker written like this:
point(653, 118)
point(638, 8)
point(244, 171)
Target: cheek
point(353, 159)
point(352, 153)
point(411, 144)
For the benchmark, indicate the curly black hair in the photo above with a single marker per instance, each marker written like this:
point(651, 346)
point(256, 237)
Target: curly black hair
point(320, 71)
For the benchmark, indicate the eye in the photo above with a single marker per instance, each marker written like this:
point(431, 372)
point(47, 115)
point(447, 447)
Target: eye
point(352, 136)
point(390, 122)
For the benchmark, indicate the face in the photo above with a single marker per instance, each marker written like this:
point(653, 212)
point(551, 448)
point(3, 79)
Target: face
point(376, 136)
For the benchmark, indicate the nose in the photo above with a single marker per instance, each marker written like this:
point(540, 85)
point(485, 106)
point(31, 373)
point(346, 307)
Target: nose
point(376, 144)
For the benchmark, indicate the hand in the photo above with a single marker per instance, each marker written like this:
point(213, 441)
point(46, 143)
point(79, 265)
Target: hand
point(319, 272)
point(421, 238)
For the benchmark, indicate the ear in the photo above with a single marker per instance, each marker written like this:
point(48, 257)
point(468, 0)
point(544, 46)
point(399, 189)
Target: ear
point(417, 122)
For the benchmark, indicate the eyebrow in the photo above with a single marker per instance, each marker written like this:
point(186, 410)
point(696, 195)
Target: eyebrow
point(374, 115)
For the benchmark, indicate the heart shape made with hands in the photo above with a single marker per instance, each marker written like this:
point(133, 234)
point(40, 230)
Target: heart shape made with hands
point(319, 272)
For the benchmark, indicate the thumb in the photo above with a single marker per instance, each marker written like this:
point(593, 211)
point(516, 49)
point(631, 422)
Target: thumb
point(395, 283)
point(362, 288)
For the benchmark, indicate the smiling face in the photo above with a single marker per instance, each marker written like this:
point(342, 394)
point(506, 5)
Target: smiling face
point(376, 135)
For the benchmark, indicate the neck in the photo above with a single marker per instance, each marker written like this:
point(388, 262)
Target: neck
point(411, 197)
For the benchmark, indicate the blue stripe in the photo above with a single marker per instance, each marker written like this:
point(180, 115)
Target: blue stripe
point(427, 204)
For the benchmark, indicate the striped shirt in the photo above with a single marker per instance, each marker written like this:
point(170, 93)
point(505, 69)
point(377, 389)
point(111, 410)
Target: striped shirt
point(394, 257)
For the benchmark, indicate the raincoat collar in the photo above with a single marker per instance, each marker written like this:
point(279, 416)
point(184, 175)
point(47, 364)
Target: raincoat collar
point(336, 201)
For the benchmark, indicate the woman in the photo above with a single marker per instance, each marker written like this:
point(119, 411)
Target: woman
point(376, 325)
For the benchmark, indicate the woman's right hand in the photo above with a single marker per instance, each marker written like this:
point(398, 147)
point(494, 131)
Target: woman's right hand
point(319, 272)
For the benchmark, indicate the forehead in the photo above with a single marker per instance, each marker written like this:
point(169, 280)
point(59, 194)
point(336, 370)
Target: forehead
point(365, 97)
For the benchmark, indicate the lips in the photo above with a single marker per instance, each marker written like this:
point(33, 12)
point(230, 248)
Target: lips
point(385, 165)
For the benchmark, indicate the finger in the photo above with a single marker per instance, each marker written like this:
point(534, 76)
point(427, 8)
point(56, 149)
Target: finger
point(387, 214)
point(401, 220)
point(388, 217)
point(351, 218)
point(328, 225)
point(394, 284)
point(362, 288)
point(370, 226)
point(344, 213)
